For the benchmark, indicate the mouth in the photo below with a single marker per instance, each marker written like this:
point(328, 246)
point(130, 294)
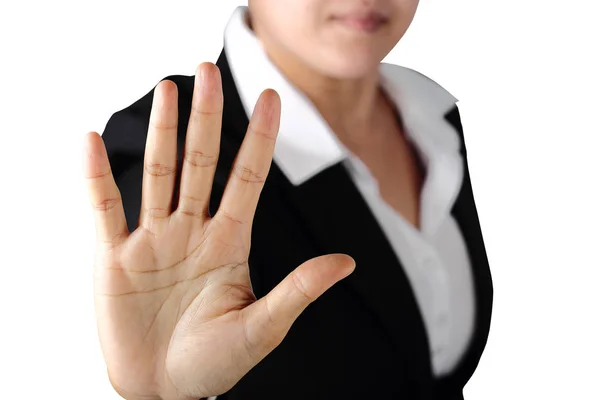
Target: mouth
point(369, 22)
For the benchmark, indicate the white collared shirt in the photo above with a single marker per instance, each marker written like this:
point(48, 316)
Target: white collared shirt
point(434, 257)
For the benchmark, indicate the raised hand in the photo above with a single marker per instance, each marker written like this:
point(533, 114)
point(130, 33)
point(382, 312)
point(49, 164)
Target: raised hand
point(177, 317)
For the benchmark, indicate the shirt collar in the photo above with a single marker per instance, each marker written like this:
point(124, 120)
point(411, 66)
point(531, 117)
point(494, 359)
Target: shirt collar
point(305, 144)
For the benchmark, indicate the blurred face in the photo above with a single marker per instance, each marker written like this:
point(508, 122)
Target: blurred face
point(338, 38)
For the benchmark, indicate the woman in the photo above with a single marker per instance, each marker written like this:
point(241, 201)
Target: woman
point(369, 188)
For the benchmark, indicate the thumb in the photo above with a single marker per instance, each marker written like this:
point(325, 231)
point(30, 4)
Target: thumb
point(269, 319)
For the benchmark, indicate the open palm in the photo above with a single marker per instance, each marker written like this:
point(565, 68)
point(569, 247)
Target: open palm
point(177, 317)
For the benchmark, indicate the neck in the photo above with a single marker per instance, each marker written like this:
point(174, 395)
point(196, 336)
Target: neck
point(351, 107)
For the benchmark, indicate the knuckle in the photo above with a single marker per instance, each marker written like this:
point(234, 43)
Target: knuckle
point(194, 214)
point(251, 348)
point(193, 207)
point(158, 169)
point(99, 175)
point(199, 159)
point(248, 175)
point(201, 112)
point(193, 199)
point(262, 133)
point(230, 218)
point(156, 212)
point(107, 204)
point(269, 312)
point(301, 287)
point(160, 124)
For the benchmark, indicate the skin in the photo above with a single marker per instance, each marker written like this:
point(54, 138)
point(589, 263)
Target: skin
point(335, 67)
point(338, 71)
point(177, 317)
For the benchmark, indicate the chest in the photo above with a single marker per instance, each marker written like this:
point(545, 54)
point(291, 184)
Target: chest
point(392, 161)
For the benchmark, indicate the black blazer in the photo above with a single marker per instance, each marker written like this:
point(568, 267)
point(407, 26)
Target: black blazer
point(362, 339)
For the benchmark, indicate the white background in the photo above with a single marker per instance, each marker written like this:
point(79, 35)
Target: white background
point(526, 75)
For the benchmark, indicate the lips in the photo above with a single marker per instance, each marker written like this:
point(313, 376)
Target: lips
point(366, 22)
